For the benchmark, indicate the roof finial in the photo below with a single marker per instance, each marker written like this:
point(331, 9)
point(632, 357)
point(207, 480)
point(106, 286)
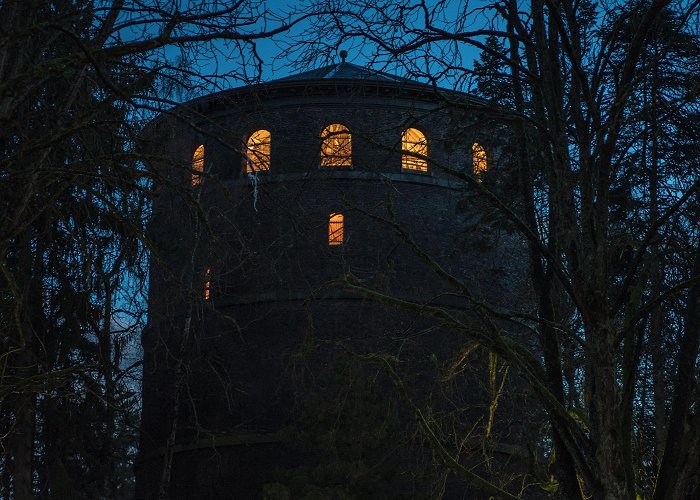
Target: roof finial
point(343, 55)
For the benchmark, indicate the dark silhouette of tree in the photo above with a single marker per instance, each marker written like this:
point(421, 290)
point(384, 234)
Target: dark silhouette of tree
point(603, 104)
point(77, 80)
point(491, 74)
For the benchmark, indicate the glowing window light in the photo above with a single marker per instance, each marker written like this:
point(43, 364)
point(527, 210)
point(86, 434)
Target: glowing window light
point(415, 150)
point(207, 284)
point(335, 229)
point(479, 161)
point(258, 151)
point(197, 165)
point(336, 146)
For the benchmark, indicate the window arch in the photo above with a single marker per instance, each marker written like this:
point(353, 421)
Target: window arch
point(336, 146)
point(336, 226)
point(414, 145)
point(479, 160)
point(257, 154)
point(197, 165)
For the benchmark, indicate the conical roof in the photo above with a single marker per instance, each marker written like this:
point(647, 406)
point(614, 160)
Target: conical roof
point(345, 71)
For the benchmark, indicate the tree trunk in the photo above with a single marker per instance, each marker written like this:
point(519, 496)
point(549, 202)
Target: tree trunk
point(678, 457)
point(20, 443)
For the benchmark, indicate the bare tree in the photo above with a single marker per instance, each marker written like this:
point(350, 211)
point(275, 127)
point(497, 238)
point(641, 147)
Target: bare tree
point(605, 109)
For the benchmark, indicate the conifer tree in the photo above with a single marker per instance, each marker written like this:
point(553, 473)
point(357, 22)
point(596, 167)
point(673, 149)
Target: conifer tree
point(78, 78)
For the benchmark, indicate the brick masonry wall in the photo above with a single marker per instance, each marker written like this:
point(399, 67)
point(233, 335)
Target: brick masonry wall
point(266, 244)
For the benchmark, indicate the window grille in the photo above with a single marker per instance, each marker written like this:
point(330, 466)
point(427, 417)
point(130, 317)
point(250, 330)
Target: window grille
point(336, 146)
point(415, 150)
point(336, 224)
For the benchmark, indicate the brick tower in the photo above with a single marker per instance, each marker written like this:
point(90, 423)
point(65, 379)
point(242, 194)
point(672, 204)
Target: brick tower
point(277, 204)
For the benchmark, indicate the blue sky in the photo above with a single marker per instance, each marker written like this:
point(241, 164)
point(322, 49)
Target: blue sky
point(281, 58)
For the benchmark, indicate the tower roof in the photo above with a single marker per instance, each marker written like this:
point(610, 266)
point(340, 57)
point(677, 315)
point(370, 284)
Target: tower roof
point(345, 71)
point(322, 81)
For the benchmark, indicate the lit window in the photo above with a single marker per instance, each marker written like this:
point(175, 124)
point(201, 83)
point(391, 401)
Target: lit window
point(197, 165)
point(335, 229)
point(479, 163)
point(415, 150)
point(258, 151)
point(336, 146)
point(207, 284)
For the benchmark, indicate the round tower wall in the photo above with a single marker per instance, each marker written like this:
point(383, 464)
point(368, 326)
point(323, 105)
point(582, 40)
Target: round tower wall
point(279, 307)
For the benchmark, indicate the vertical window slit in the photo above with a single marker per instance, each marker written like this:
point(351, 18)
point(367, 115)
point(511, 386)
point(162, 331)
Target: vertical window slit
point(336, 224)
point(197, 165)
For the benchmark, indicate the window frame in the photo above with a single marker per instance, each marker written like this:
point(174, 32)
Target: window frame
point(261, 157)
point(336, 229)
point(206, 286)
point(198, 158)
point(413, 160)
point(480, 160)
point(346, 159)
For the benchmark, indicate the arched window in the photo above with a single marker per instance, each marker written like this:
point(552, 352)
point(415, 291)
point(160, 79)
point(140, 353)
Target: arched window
point(197, 165)
point(479, 162)
point(336, 224)
point(258, 151)
point(415, 150)
point(336, 146)
point(206, 292)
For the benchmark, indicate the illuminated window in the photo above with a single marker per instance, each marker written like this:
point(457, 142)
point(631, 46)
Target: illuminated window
point(197, 165)
point(415, 150)
point(207, 284)
point(258, 151)
point(335, 229)
point(336, 146)
point(479, 163)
